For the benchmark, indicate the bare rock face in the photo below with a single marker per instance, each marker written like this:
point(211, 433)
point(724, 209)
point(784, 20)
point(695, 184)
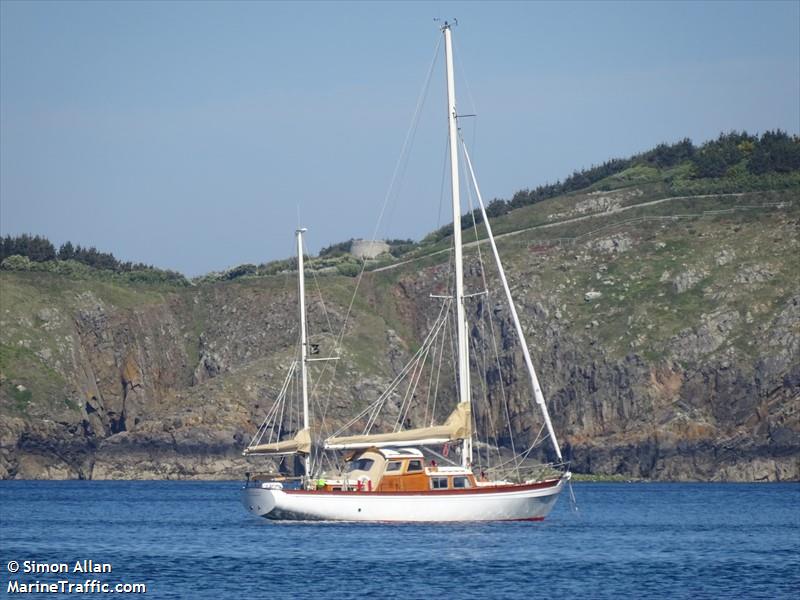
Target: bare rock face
point(616, 243)
point(209, 364)
point(754, 274)
point(712, 332)
point(688, 279)
point(725, 256)
point(598, 202)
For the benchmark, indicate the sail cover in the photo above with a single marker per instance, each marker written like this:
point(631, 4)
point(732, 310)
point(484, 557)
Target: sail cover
point(300, 444)
point(457, 427)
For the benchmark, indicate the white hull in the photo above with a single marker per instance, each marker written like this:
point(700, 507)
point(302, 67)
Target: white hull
point(503, 503)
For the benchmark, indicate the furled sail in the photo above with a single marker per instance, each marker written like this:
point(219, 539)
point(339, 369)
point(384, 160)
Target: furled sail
point(300, 444)
point(457, 427)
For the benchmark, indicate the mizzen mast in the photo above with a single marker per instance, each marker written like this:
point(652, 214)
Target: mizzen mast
point(301, 289)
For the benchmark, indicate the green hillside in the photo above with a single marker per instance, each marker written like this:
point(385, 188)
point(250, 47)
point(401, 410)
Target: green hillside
point(661, 299)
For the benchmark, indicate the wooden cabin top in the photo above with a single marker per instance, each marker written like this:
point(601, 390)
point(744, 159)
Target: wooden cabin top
point(397, 470)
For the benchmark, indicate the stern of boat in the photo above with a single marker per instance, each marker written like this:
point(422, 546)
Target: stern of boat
point(259, 498)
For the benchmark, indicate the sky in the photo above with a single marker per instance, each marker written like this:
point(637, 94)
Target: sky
point(197, 136)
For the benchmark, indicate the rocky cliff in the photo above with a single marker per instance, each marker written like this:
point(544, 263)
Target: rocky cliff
point(666, 334)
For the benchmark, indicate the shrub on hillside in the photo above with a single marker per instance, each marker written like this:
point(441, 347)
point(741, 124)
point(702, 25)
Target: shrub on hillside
point(348, 269)
point(15, 262)
point(155, 276)
point(240, 271)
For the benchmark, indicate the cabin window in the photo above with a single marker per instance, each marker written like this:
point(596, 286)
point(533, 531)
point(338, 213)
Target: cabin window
point(394, 465)
point(438, 483)
point(460, 482)
point(362, 464)
point(414, 465)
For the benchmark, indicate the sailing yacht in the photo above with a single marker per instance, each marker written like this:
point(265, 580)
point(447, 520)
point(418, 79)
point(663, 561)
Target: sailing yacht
point(386, 476)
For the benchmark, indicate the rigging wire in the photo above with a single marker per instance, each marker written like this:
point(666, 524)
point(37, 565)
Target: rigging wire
point(402, 161)
point(439, 373)
point(443, 182)
point(412, 391)
point(378, 403)
point(430, 390)
point(537, 392)
point(287, 388)
point(269, 422)
point(474, 107)
point(405, 156)
point(491, 326)
point(485, 315)
point(485, 389)
point(317, 453)
point(398, 170)
point(403, 151)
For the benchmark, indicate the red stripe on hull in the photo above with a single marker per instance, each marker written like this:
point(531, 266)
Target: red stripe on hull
point(498, 489)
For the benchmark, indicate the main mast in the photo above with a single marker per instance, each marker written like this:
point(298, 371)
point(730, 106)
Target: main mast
point(464, 394)
point(301, 289)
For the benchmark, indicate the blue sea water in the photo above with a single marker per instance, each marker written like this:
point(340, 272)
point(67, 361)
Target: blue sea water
point(195, 540)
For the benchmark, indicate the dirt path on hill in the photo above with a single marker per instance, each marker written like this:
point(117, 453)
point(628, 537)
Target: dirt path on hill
point(613, 211)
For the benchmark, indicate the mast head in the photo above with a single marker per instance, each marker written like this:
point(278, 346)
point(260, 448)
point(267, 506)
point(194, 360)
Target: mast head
point(447, 24)
point(301, 230)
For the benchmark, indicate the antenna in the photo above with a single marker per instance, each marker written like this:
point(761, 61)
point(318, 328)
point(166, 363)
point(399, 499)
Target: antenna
point(447, 24)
